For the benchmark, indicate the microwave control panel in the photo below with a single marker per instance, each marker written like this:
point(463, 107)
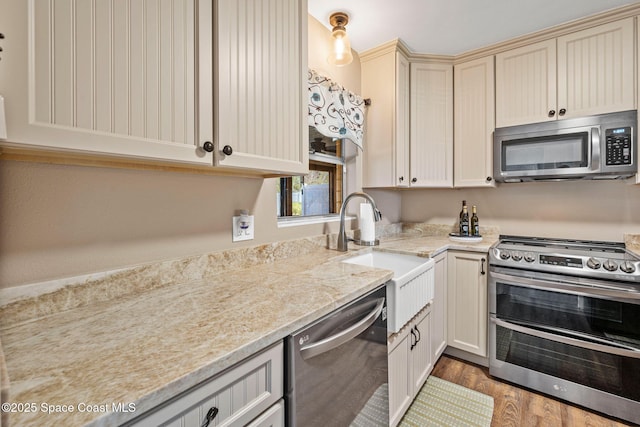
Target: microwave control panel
point(618, 146)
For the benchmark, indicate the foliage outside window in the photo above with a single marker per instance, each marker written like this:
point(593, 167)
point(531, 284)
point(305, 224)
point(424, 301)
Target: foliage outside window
point(320, 192)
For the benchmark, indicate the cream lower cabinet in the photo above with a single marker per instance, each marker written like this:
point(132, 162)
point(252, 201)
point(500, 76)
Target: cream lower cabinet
point(582, 73)
point(250, 393)
point(155, 81)
point(474, 119)
point(438, 333)
point(467, 311)
point(410, 363)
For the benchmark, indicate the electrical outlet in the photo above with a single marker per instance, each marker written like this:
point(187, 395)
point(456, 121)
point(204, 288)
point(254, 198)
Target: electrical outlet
point(242, 228)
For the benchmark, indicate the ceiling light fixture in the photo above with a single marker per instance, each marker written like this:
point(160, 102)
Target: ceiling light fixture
point(341, 53)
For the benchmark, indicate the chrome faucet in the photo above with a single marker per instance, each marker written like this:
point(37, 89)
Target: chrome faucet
point(342, 235)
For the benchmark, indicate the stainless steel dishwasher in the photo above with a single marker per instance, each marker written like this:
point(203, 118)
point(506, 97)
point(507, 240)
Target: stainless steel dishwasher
point(337, 367)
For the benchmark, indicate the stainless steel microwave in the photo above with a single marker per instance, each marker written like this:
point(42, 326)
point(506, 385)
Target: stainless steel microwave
point(595, 147)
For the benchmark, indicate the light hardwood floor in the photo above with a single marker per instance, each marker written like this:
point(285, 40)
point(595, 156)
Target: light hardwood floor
point(515, 406)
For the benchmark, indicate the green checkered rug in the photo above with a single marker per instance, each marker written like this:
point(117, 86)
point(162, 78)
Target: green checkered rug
point(441, 403)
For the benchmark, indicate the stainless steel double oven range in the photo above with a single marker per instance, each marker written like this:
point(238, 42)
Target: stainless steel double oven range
point(565, 320)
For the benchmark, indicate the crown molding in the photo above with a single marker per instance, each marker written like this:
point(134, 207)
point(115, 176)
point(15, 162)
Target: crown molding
point(395, 45)
point(579, 24)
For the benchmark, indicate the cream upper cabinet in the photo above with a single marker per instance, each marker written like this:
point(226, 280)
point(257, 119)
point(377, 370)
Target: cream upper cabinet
point(596, 70)
point(261, 85)
point(431, 138)
point(409, 124)
point(583, 73)
point(526, 84)
point(137, 81)
point(385, 79)
point(467, 312)
point(474, 119)
point(109, 78)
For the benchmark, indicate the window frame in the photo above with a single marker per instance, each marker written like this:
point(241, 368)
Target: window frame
point(336, 166)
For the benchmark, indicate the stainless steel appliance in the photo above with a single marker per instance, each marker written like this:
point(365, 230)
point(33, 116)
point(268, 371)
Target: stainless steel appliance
point(565, 320)
point(337, 368)
point(595, 147)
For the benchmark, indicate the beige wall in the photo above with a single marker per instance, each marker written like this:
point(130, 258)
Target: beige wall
point(62, 221)
point(596, 210)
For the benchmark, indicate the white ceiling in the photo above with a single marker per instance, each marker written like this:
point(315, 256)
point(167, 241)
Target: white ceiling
point(451, 27)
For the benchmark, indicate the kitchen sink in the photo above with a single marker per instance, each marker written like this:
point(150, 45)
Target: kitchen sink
point(410, 288)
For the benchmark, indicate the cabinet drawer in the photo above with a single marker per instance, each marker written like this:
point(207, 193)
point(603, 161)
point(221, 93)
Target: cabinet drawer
point(240, 395)
point(273, 417)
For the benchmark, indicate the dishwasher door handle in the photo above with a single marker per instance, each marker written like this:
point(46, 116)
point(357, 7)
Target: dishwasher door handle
point(314, 349)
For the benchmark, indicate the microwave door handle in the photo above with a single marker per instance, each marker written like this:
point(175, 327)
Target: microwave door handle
point(566, 340)
point(329, 343)
point(595, 149)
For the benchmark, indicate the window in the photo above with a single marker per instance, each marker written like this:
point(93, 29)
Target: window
point(319, 192)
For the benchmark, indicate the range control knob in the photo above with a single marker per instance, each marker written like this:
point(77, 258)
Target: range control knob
point(627, 267)
point(610, 265)
point(593, 263)
point(516, 256)
point(529, 257)
point(505, 254)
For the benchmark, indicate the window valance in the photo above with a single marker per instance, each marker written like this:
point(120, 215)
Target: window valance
point(335, 111)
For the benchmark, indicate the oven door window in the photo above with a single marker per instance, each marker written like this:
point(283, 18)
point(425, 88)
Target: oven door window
point(601, 320)
point(612, 373)
point(546, 152)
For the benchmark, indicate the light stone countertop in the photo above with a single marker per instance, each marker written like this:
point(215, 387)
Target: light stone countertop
point(152, 343)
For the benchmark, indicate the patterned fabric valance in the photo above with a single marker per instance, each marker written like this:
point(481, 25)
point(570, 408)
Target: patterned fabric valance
point(334, 111)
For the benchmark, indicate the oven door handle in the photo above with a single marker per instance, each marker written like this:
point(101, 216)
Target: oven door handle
point(566, 340)
point(586, 289)
point(314, 349)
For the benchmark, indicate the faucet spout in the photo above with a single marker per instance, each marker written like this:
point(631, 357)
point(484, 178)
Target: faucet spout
point(342, 235)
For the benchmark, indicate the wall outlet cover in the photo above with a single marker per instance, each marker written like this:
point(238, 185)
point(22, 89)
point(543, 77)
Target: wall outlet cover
point(242, 228)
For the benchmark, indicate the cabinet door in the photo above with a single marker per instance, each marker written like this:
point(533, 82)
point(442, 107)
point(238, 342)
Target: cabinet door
point(431, 125)
point(421, 361)
point(378, 82)
point(467, 302)
point(438, 334)
point(272, 417)
point(239, 395)
point(109, 78)
point(400, 381)
point(402, 120)
point(526, 84)
point(474, 123)
point(385, 78)
point(261, 85)
point(596, 70)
